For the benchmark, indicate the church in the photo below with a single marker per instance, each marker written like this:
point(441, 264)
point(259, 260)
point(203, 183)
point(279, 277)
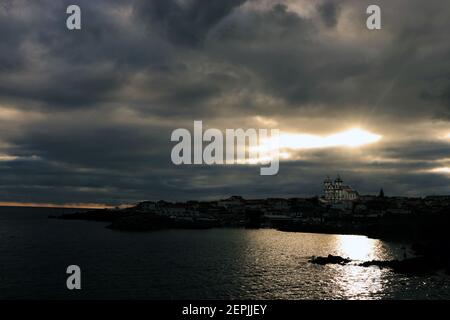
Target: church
point(337, 192)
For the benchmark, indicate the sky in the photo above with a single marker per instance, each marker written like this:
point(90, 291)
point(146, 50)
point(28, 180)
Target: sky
point(86, 116)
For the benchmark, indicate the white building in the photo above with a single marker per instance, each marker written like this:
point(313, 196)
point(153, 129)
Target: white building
point(336, 191)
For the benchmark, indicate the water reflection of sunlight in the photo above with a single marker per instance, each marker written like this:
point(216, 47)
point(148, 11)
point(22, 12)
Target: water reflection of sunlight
point(357, 247)
point(353, 281)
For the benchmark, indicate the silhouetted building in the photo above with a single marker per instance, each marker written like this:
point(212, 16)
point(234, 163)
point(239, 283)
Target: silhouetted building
point(336, 191)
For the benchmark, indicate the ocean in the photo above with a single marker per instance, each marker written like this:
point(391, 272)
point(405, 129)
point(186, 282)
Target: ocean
point(193, 264)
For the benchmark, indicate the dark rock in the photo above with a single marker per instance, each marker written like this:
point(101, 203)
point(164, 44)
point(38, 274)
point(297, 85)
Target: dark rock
point(412, 266)
point(329, 260)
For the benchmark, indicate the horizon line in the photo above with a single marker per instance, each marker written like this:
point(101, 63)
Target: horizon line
point(81, 205)
point(56, 205)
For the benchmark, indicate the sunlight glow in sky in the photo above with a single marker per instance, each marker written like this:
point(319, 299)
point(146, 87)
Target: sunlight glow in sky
point(351, 138)
point(7, 158)
point(354, 137)
point(441, 170)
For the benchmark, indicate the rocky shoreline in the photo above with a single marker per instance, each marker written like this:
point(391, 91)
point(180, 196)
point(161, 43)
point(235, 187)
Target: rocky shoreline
point(416, 266)
point(428, 236)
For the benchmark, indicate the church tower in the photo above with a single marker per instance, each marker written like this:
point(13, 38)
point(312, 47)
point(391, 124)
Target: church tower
point(335, 191)
point(338, 181)
point(328, 188)
point(338, 193)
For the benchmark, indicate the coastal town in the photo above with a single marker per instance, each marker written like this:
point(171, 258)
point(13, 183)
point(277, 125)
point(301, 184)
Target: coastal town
point(420, 223)
point(340, 209)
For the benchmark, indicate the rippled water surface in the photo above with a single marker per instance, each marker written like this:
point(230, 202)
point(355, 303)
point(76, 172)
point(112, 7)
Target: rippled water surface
point(193, 264)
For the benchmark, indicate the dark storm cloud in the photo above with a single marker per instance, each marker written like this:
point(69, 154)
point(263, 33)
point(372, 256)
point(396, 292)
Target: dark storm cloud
point(62, 90)
point(418, 150)
point(97, 145)
point(185, 22)
point(288, 53)
point(10, 57)
point(329, 12)
point(48, 64)
point(94, 109)
point(283, 52)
